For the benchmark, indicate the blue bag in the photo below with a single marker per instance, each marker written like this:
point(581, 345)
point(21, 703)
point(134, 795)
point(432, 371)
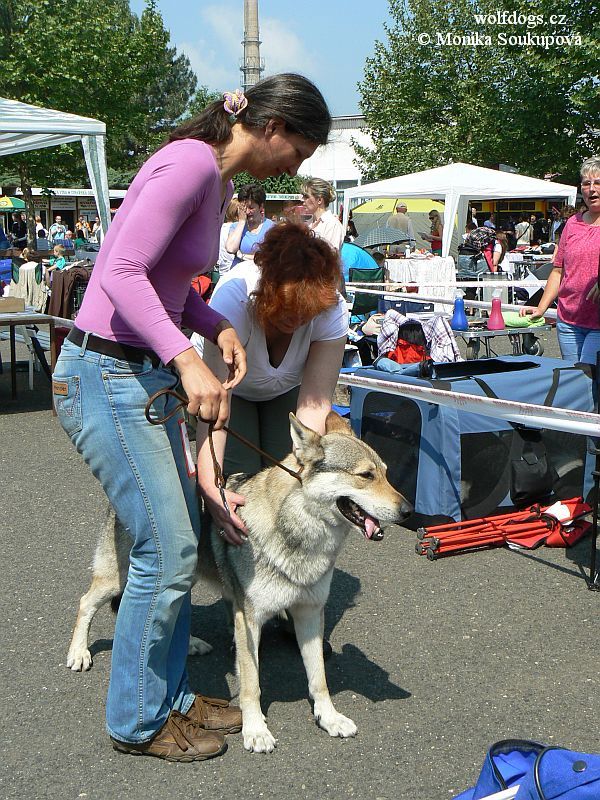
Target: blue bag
point(506, 763)
point(542, 773)
point(563, 774)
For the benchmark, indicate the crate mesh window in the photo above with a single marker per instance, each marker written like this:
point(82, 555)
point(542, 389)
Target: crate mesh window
point(392, 427)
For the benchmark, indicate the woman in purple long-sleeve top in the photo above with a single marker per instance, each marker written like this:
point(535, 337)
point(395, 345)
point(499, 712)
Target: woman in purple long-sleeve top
point(127, 345)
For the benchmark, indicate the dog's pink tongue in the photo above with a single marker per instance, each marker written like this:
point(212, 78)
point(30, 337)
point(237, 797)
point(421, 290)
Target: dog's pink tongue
point(371, 525)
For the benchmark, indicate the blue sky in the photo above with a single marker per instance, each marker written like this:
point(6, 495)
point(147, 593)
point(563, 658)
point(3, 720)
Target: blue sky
point(326, 40)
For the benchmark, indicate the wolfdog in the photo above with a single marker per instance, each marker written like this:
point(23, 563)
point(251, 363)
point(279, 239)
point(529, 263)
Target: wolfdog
point(296, 531)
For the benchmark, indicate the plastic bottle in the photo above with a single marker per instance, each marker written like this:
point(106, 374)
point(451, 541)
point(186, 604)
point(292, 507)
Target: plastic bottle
point(459, 318)
point(496, 320)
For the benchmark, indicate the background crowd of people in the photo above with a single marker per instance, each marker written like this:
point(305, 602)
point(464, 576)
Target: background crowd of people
point(57, 233)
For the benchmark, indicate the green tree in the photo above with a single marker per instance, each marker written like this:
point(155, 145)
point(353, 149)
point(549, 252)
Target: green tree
point(94, 58)
point(562, 89)
point(279, 184)
point(202, 98)
point(166, 102)
point(444, 89)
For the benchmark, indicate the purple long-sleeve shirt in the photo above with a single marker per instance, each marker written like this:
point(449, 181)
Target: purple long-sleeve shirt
point(165, 233)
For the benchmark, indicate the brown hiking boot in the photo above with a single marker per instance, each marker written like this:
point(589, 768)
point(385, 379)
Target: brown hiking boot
point(179, 739)
point(213, 714)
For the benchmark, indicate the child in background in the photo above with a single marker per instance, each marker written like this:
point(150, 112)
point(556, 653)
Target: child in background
point(56, 261)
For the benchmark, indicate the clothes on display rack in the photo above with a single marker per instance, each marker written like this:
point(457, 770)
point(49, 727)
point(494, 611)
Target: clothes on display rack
point(28, 282)
point(66, 284)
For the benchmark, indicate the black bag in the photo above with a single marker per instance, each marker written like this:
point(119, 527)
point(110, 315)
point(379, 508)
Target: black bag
point(412, 332)
point(465, 249)
point(532, 477)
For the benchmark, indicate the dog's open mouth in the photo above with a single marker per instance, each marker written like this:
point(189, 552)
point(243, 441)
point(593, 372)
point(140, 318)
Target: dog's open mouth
point(358, 516)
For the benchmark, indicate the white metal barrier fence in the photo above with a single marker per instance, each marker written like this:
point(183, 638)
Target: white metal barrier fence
point(535, 416)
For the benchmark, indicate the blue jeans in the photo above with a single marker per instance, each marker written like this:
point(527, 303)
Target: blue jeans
point(471, 267)
point(577, 343)
point(100, 403)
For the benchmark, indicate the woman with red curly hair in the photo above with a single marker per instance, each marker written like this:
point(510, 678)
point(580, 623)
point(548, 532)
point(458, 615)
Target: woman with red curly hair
point(293, 322)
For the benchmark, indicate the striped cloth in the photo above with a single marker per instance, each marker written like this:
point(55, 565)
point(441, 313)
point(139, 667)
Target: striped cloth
point(441, 342)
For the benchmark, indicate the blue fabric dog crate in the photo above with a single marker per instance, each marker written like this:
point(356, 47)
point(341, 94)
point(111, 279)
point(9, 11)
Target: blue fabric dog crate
point(403, 306)
point(454, 465)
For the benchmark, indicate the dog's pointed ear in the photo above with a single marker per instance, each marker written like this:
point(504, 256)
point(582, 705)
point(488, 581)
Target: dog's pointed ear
point(337, 424)
point(306, 443)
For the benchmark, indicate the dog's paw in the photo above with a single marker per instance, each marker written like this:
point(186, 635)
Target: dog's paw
point(79, 660)
point(259, 740)
point(337, 725)
point(198, 647)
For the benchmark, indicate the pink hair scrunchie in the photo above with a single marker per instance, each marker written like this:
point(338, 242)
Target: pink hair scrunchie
point(234, 103)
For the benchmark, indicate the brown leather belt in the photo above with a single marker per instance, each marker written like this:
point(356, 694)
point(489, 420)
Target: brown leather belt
point(123, 352)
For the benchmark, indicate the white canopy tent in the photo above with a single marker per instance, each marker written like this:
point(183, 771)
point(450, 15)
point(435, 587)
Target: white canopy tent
point(457, 184)
point(25, 127)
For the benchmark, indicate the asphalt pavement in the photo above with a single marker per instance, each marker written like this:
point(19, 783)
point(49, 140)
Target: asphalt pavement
point(434, 661)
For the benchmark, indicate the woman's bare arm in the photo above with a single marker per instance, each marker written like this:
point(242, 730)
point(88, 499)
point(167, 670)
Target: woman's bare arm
point(549, 296)
point(236, 232)
point(233, 527)
point(319, 379)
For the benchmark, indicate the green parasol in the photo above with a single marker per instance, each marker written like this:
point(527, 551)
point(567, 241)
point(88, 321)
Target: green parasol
point(11, 204)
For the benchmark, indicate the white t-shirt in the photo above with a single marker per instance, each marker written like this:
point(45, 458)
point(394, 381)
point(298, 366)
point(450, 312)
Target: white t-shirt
point(329, 228)
point(225, 260)
point(264, 381)
point(505, 265)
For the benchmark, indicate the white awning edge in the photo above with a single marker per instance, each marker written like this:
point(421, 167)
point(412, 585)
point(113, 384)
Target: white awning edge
point(25, 127)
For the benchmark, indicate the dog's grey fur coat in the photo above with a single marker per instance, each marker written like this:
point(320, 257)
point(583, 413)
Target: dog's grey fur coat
point(295, 533)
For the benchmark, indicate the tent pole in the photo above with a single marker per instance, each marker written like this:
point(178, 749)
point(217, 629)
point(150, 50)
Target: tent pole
point(594, 579)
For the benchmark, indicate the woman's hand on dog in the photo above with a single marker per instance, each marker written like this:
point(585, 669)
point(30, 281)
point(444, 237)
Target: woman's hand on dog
point(233, 528)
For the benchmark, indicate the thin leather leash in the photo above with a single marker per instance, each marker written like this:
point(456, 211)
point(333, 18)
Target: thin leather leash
point(219, 477)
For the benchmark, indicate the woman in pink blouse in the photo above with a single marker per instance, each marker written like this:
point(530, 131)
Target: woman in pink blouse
point(127, 345)
point(574, 279)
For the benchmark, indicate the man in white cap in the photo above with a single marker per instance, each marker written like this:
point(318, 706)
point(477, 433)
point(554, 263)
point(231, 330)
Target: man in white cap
point(402, 221)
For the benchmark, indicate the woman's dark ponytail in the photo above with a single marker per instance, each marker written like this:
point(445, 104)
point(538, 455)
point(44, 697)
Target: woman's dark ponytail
point(290, 97)
point(212, 126)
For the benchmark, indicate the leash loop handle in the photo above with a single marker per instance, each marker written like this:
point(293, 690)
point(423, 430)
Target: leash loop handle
point(156, 420)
